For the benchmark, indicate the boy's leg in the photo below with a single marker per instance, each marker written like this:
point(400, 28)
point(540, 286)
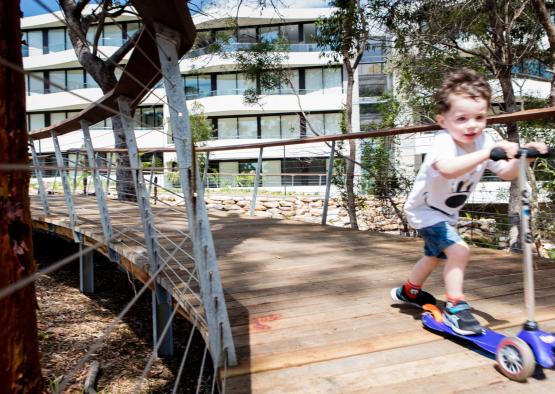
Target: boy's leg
point(457, 313)
point(422, 269)
point(453, 273)
point(411, 292)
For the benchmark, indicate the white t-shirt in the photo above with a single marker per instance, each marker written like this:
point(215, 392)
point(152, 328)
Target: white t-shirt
point(434, 198)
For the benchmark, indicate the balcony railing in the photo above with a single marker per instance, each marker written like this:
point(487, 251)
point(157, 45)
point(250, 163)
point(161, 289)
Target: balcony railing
point(233, 47)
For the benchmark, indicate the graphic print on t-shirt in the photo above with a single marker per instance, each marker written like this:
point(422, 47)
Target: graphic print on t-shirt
point(460, 195)
point(460, 189)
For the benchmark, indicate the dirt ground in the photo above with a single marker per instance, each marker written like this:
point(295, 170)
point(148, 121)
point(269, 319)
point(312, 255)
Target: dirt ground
point(69, 322)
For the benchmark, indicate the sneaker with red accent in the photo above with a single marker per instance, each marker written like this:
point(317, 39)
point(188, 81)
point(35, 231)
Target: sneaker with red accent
point(419, 299)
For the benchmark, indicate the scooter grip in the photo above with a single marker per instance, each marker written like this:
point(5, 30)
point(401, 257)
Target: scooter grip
point(533, 152)
point(497, 154)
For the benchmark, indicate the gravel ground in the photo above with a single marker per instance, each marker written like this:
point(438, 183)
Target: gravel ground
point(70, 322)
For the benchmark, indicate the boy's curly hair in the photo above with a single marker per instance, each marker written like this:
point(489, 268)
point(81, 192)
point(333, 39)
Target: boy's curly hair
point(465, 82)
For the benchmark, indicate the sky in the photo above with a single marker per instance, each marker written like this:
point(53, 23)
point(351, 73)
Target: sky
point(33, 7)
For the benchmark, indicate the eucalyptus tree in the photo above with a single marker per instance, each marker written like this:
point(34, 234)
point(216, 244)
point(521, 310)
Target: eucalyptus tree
point(101, 67)
point(544, 10)
point(437, 36)
point(343, 36)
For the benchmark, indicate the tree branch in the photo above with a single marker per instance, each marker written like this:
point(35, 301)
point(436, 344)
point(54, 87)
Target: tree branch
point(114, 60)
point(99, 28)
point(543, 16)
point(119, 11)
point(79, 7)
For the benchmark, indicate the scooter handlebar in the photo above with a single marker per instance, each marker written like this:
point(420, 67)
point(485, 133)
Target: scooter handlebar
point(497, 154)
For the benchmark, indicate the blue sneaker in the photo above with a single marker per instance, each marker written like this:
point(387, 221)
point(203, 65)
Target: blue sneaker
point(422, 297)
point(461, 320)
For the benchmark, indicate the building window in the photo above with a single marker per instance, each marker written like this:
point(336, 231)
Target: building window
point(323, 124)
point(247, 35)
point(244, 83)
point(75, 79)
point(270, 127)
point(290, 126)
point(56, 40)
point(132, 29)
point(315, 125)
point(369, 115)
point(227, 128)
point(36, 83)
point(227, 84)
point(309, 33)
point(36, 121)
point(149, 117)
point(57, 81)
point(332, 123)
point(269, 34)
point(290, 33)
point(112, 36)
point(34, 42)
point(332, 80)
point(248, 128)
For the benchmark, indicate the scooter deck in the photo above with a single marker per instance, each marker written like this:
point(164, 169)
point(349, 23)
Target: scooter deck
point(488, 341)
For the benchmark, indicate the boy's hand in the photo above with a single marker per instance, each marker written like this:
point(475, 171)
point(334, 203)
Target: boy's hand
point(510, 148)
point(539, 146)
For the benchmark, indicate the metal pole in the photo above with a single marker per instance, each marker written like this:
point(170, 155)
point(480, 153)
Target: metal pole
point(152, 161)
point(75, 172)
point(86, 270)
point(220, 339)
point(256, 182)
point(526, 236)
point(205, 177)
point(109, 156)
point(328, 185)
point(100, 197)
point(40, 182)
point(65, 183)
point(159, 296)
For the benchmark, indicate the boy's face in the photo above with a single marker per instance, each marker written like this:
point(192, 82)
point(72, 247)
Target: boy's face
point(465, 120)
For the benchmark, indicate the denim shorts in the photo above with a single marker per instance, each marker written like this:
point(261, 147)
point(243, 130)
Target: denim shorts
point(437, 238)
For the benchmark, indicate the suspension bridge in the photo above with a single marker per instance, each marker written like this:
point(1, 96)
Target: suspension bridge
point(282, 306)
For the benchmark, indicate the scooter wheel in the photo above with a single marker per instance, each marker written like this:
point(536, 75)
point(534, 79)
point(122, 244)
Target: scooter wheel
point(515, 359)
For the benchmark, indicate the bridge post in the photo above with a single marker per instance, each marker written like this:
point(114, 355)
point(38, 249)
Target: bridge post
point(161, 300)
point(86, 270)
point(75, 171)
point(220, 340)
point(328, 185)
point(40, 182)
point(206, 182)
point(67, 191)
point(109, 173)
point(100, 197)
point(256, 182)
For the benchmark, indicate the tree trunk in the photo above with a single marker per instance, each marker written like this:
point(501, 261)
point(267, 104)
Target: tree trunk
point(124, 178)
point(103, 72)
point(512, 135)
point(19, 356)
point(350, 170)
point(534, 212)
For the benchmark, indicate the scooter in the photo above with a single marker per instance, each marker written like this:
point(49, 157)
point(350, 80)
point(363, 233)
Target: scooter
point(516, 356)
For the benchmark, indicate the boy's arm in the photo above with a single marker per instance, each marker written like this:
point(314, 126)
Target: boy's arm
point(454, 167)
point(457, 166)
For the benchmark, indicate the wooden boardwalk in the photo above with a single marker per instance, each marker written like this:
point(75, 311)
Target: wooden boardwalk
point(310, 309)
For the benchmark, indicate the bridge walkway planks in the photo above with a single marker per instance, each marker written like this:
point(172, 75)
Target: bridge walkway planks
point(310, 310)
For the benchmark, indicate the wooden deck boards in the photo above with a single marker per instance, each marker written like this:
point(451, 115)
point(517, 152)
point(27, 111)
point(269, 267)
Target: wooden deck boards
point(310, 310)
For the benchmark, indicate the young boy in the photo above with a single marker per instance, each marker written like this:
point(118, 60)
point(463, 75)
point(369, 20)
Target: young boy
point(450, 172)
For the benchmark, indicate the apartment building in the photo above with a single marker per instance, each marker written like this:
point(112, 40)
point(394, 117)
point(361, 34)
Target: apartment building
point(58, 87)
